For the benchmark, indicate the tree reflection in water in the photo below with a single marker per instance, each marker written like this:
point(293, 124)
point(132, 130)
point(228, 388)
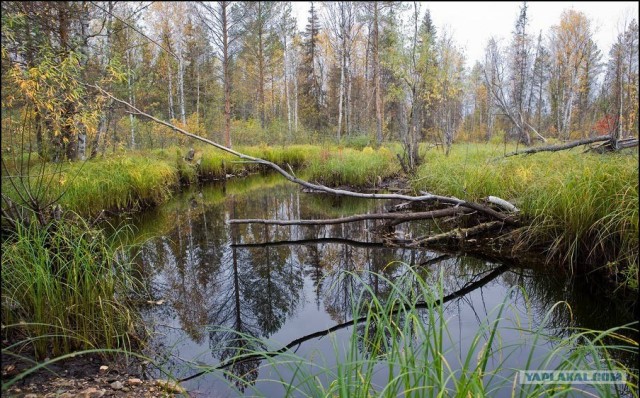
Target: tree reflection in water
point(236, 284)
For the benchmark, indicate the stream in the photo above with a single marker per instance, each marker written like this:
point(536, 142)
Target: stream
point(211, 280)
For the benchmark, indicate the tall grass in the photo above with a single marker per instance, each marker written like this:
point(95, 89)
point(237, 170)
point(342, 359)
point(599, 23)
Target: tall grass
point(64, 288)
point(215, 164)
point(346, 166)
point(135, 180)
point(582, 207)
point(404, 347)
point(119, 183)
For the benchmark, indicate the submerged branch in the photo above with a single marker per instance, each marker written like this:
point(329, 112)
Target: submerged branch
point(314, 241)
point(458, 234)
point(420, 305)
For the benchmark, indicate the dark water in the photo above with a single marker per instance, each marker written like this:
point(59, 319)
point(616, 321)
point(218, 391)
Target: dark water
point(279, 283)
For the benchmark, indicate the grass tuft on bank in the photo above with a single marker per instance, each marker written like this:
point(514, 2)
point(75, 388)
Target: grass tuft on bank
point(586, 205)
point(65, 288)
point(351, 167)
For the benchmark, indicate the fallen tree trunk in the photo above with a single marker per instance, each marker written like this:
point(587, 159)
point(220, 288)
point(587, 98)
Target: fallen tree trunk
point(609, 147)
point(502, 203)
point(425, 197)
point(559, 147)
point(397, 218)
point(314, 241)
point(458, 234)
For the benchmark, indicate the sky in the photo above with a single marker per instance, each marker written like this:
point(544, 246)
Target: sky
point(473, 23)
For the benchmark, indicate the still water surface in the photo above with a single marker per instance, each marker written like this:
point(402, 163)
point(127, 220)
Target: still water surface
point(279, 283)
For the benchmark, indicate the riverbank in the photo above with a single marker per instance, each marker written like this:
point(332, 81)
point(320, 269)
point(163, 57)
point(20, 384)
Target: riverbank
point(579, 209)
point(469, 173)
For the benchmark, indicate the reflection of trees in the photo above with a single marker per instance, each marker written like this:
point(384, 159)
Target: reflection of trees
point(587, 311)
point(274, 285)
point(247, 292)
point(260, 289)
point(188, 261)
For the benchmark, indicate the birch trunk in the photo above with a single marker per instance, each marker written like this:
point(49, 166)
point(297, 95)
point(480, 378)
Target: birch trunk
point(183, 116)
point(286, 86)
point(171, 113)
point(340, 98)
point(130, 91)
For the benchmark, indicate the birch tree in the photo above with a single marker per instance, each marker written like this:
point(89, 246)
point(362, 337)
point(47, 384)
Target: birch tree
point(570, 41)
point(223, 21)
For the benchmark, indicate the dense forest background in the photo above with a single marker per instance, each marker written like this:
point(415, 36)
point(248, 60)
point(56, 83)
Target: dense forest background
point(241, 73)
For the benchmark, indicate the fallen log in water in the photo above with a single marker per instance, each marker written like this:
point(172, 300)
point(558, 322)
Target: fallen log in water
point(457, 234)
point(396, 218)
point(460, 207)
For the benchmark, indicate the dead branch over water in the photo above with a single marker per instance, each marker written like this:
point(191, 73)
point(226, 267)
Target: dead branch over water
point(460, 207)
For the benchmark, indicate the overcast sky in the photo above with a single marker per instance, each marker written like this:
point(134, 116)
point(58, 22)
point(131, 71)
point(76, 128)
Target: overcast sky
point(472, 23)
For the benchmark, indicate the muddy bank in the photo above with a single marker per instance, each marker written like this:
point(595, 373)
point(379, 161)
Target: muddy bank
point(85, 377)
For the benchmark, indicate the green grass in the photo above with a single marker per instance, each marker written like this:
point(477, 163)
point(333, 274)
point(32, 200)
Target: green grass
point(118, 183)
point(64, 288)
point(135, 180)
point(407, 336)
point(583, 207)
point(351, 167)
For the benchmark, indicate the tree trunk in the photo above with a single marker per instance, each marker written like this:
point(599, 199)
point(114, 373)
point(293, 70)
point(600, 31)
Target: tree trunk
point(171, 114)
point(295, 92)
point(348, 104)
point(287, 97)
point(376, 73)
point(131, 99)
point(227, 76)
point(183, 116)
point(198, 95)
point(261, 68)
point(341, 96)
point(105, 117)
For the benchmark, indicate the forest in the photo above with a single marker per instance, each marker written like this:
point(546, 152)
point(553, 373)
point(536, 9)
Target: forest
point(181, 171)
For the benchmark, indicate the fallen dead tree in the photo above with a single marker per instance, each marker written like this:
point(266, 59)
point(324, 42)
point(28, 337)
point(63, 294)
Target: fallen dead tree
point(452, 206)
point(558, 147)
point(458, 234)
point(612, 146)
point(607, 145)
point(396, 218)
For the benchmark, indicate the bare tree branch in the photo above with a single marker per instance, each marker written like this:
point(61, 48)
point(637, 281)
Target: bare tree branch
point(425, 197)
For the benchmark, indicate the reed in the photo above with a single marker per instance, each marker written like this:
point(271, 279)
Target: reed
point(404, 338)
point(65, 288)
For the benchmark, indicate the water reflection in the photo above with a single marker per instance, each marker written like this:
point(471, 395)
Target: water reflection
point(226, 286)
